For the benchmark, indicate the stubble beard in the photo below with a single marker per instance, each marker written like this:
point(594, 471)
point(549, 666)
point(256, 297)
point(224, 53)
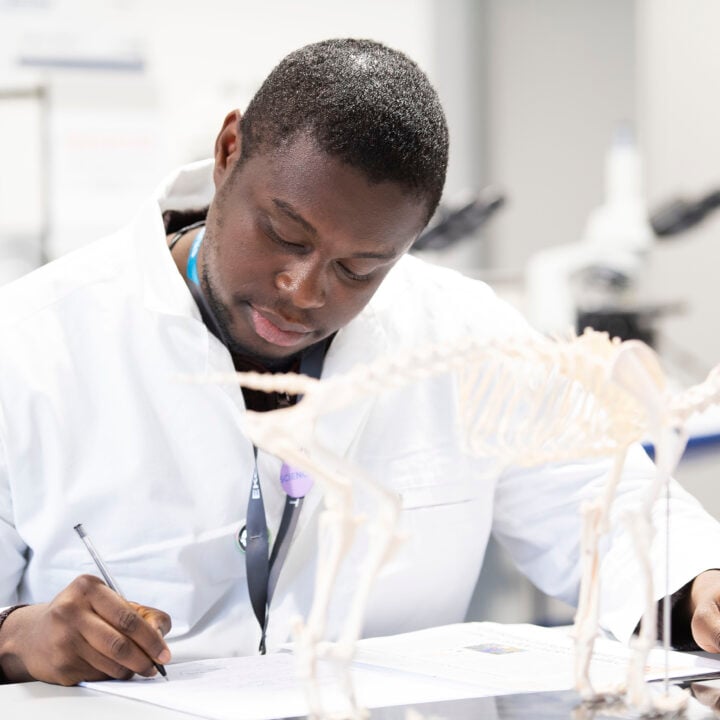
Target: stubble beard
point(223, 318)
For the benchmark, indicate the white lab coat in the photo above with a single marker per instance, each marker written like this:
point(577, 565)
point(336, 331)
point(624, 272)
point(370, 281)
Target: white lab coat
point(96, 426)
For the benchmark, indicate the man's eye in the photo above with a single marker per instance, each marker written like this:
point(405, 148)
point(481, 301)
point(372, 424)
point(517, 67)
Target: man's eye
point(354, 276)
point(283, 243)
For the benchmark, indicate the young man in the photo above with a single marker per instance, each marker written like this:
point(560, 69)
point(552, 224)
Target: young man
point(291, 244)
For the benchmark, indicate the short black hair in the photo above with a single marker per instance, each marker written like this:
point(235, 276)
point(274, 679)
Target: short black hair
point(364, 103)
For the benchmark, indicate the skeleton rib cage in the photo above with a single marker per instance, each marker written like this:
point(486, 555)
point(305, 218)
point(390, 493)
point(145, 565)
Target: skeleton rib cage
point(519, 401)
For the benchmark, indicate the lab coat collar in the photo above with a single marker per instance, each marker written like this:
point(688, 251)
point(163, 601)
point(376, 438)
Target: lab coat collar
point(163, 288)
point(191, 187)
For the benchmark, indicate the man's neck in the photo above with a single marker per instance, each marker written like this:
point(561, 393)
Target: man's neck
point(243, 363)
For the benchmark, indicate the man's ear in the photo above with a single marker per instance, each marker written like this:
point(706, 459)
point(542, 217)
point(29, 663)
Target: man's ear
point(227, 147)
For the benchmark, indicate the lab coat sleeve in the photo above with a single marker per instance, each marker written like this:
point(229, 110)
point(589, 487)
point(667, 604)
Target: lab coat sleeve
point(12, 549)
point(537, 519)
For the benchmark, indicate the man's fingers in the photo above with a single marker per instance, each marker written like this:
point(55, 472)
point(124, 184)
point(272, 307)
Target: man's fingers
point(123, 656)
point(157, 618)
point(78, 672)
point(130, 625)
point(101, 666)
point(705, 626)
point(704, 610)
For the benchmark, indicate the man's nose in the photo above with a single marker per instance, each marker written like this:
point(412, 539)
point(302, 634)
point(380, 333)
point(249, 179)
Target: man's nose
point(303, 282)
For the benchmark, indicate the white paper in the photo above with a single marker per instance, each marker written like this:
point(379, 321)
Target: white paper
point(453, 662)
point(267, 687)
point(516, 658)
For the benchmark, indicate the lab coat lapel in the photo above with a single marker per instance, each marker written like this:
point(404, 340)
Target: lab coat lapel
point(360, 342)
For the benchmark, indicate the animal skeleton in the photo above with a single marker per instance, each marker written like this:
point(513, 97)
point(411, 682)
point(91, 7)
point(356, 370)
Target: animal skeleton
point(520, 402)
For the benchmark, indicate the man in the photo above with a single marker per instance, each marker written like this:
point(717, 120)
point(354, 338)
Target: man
point(313, 199)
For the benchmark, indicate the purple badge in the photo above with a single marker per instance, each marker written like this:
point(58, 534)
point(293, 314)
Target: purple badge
point(294, 482)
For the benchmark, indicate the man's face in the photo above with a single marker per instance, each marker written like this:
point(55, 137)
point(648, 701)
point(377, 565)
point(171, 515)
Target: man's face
point(296, 244)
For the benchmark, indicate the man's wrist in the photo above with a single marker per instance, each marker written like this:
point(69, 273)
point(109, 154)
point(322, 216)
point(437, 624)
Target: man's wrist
point(6, 652)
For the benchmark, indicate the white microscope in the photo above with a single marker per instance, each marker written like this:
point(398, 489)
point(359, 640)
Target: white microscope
point(594, 282)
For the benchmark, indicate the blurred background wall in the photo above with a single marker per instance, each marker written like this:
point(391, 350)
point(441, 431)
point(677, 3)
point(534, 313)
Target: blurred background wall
point(99, 99)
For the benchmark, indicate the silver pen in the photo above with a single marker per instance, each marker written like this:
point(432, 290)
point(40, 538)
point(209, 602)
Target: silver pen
point(105, 572)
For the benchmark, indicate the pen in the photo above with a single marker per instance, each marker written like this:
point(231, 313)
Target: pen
point(107, 576)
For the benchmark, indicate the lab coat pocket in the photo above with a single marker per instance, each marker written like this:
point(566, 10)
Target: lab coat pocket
point(433, 478)
point(446, 506)
point(436, 495)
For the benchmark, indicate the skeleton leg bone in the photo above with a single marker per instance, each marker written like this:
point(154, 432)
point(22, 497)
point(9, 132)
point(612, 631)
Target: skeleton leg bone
point(336, 530)
point(383, 540)
point(669, 446)
point(596, 516)
point(585, 627)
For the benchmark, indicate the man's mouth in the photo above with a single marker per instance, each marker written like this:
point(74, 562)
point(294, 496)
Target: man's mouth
point(276, 330)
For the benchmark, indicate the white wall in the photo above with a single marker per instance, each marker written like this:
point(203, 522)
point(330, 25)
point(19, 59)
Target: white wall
point(532, 91)
point(560, 76)
point(23, 195)
point(679, 62)
point(114, 135)
point(209, 62)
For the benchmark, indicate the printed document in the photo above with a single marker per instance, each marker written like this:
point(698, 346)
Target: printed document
point(453, 662)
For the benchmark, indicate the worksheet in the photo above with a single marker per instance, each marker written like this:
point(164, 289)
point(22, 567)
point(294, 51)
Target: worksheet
point(446, 663)
point(517, 658)
point(267, 687)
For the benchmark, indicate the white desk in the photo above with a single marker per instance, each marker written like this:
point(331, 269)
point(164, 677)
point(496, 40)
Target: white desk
point(49, 702)
point(40, 701)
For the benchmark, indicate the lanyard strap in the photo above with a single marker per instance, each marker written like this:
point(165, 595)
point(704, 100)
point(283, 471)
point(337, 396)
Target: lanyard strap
point(256, 553)
point(262, 566)
point(191, 272)
point(263, 571)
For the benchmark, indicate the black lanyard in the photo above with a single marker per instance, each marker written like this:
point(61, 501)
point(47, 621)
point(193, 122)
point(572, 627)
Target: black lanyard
point(262, 566)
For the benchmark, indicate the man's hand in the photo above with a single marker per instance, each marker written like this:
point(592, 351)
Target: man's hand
point(88, 632)
point(704, 608)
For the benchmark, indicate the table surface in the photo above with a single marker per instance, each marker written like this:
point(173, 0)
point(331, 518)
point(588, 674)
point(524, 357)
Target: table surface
point(43, 702)
point(75, 703)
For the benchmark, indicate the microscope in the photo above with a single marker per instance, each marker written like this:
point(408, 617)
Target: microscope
point(598, 281)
